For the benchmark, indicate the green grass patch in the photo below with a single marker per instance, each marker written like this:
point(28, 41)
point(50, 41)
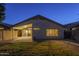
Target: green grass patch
point(46, 48)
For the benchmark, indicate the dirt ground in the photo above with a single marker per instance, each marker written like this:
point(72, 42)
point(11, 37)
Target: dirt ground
point(45, 48)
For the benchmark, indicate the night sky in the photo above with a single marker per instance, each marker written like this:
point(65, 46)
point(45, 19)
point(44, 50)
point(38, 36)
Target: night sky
point(62, 13)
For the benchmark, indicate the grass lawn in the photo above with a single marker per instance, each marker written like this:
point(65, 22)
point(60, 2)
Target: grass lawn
point(46, 48)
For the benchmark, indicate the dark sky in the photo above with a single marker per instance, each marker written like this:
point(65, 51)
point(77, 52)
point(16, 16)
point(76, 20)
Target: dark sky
point(62, 13)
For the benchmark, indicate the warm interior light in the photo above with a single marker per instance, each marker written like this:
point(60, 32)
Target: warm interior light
point(36, 28)
point(24, 26)
point(52, 32)
point(1, 28)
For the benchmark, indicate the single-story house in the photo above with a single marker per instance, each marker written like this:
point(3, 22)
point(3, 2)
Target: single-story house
point(35, 28)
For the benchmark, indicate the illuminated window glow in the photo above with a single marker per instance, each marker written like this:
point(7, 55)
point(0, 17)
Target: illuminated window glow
point(24, 33)
point(1, 28)
point(36, 28)
point(73, 28)
point(52, 32)
point(19, 33)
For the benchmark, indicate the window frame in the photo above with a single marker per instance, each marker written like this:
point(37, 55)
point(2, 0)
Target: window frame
point(52, 32)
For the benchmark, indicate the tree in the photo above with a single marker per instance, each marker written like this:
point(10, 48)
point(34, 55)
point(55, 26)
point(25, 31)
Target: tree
point(2, 12)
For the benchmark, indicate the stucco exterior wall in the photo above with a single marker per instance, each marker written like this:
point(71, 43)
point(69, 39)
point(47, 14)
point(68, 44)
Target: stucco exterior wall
point(7, 34)
point(43, 25)
point(15, 34)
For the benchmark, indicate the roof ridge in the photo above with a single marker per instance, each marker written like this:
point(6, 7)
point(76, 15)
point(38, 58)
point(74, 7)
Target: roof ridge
point(38, 17)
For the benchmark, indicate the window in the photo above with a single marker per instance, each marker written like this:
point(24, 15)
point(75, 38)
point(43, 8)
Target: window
point(52, 32)
point(24, 33)
point(1, 28)
point(20, 33)
point(28, 32)
point(36, 28)
point(73, 28)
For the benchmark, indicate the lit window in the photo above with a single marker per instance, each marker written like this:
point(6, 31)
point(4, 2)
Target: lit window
point(73, 28)
point(19, 33)
point(28, 32)
point(52, 32)
point(1, 28)
point(36, 28)
point(24, 33)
